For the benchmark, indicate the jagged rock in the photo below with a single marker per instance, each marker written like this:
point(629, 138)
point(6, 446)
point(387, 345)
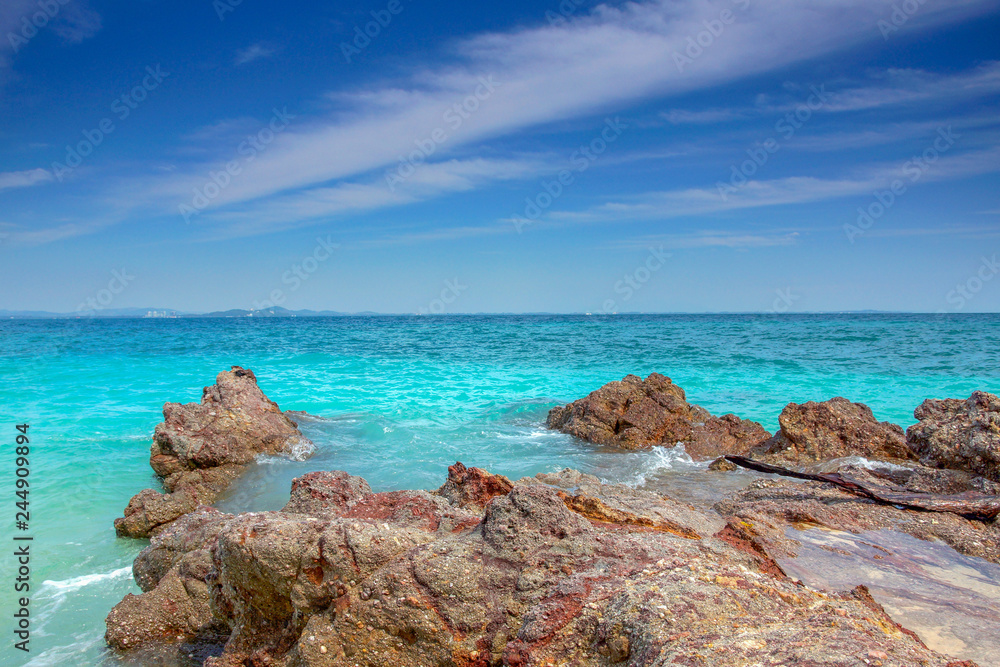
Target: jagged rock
point(234, 423)
point(192, 532)
point(325, 492)
point(959, 434)
point(768, 506)
point(836, 428)
point(559, 570)
point(721, 464)
point(473, 487)
point(199, 449)
point(172, 572)
point(638, 414)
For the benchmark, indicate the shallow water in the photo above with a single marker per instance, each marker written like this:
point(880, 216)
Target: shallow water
point(404, 397)
point(951, 601)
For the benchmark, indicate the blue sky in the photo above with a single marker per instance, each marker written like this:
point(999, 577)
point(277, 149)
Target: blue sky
point(737, 155)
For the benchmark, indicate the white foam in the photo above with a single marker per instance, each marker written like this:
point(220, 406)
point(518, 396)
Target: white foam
point(655, 460)
point(859, 461)
point(69, 654)
point(297, 449)
point(76, 583)
point(300, 449)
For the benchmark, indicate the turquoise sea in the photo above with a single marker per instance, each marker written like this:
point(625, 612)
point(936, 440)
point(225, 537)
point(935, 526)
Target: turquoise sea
point(399, 399)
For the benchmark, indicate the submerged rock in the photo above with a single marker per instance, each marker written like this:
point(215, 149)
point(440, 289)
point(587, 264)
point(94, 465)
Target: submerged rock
point(959, 434)
point(200, 448)
point(556, 570)
point(836, 428)
point(638, 414)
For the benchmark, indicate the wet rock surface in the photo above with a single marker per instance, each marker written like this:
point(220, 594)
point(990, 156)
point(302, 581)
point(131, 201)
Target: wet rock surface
point(637, 414)
point(556, 570)
point(768, 507)
point(812, 432)
point(959, 434)
point(200, 448)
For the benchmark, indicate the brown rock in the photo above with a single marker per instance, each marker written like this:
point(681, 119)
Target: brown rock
point(199, 449)
point(836, 428)
point(768, 506)
point(172, 572)
point(721, 464)
point(581, 574)
point(473, 487)
point(638, 414)
point(959, 434)
point(325, 492)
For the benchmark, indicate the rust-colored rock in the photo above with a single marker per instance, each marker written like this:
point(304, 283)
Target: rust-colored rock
point(638, 414)
point(200, 448)
point(326, 492)
point(540, 576)
point(959, 434)
point(473, 487)
point(836, 428)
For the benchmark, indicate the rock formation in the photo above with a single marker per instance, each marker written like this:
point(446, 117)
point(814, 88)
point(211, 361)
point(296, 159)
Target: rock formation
point(768, 506)
point(200, 448)
point(638, 414)
point(959, 434)
point(836, 428)
point(554, 570)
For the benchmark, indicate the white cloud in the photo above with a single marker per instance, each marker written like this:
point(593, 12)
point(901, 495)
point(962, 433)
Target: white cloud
point(296, 210)
point(891, 87)
point(254, 52)
point(792, 190)
point(23, 179)
point(737, 240)
point(591, 64)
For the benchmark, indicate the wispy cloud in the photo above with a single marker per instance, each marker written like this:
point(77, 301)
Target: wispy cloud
point(596, 62)
point(893, 87)
point(721, 238)
point(23, 179)
point(776, 192)
point(254, 52)
point(433, 180)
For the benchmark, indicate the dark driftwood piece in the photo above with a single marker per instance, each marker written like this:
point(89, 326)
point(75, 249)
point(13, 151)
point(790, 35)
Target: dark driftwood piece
point(971, 504)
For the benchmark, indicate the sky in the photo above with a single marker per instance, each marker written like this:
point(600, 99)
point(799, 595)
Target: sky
point(404, 157)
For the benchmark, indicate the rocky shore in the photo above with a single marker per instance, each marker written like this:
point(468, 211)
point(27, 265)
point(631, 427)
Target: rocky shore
point(558, 569)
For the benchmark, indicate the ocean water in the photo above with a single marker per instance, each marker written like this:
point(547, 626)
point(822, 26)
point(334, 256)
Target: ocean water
point(398, 399)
